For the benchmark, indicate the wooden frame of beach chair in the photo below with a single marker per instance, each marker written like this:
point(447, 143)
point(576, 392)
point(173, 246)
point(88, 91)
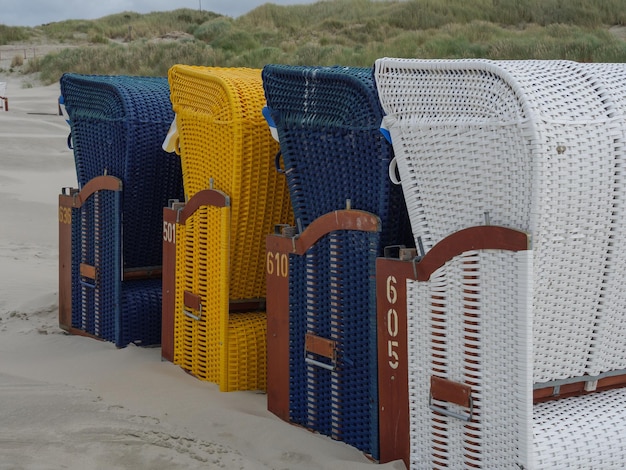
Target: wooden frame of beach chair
point(218, 323)
point(532, 338)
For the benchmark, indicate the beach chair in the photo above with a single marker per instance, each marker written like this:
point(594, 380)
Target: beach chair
point(234, 198)
point(516, 356)
point(111, 227)
point(3, 95)
point(327, 121)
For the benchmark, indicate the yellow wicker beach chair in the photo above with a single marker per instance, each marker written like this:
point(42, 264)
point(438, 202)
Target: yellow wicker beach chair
point(234, 198)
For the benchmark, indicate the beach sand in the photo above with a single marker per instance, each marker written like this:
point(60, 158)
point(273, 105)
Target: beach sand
point(70, 402)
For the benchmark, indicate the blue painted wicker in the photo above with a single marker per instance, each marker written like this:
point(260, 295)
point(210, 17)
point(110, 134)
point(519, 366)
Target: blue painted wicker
point(105, 307)
point(140, 313)
point(96, 242)
point(118, 125)
point(331, 296)
point(297, 330)
point(328, 124)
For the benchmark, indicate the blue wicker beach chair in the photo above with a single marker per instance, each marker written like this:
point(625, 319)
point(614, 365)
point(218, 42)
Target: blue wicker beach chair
point(327, 121)
point(118, 124)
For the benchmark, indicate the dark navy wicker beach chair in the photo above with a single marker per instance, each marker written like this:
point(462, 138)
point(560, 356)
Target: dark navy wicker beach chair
point(118, 124)
point(327, 120)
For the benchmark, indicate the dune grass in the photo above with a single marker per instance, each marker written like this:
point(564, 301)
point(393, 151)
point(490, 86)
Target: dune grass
point(347, 32)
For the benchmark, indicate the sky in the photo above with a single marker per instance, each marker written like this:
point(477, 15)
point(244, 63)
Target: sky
point(37, 12)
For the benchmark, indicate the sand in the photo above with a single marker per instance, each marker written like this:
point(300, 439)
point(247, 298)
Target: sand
point(69, 402)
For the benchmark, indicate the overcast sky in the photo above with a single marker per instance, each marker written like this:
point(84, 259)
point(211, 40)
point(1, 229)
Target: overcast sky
point(37, 12)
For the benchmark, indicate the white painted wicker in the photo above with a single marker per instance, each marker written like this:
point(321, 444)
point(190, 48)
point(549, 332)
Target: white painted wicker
point(537, 146)
point(610, 347)
point(496, 346)
point(585, 432)
point(491, 349)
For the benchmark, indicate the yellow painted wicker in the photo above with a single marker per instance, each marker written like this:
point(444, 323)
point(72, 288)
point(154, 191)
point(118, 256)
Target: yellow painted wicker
point(224, 144)
point(223, 136)
point(202, 268)
point(214, 344)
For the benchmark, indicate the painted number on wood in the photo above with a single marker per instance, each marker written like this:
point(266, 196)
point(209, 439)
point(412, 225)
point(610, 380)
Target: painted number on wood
point(277, 264)
point(392, 323)
point(169, 232)
point(65, 215)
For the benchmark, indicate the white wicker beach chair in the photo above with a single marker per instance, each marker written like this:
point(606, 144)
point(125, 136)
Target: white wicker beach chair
point(4, 101)
point(536, 337)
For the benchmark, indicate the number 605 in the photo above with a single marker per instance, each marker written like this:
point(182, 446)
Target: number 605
point(392, 323)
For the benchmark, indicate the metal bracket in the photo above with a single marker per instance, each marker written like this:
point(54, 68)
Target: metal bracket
point(322, 347)
point(444, 411)
point(190, 314)
point(452, 392)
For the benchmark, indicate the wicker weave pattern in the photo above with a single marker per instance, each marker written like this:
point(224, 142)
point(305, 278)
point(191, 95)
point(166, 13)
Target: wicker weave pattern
point(225, 348)
point(224, 137)
point(594, 426)
point(120, 312)
point(328, 125)
point(508, 432)
point(202, 258)
point(118, 124)
point(95, 308)
point(225, 145)
point(297, 329)
point(610, 351)
point(533, 145)
point(331, 296)
point(140, 319)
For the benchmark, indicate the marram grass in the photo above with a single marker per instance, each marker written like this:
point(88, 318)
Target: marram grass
point(346, 32)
